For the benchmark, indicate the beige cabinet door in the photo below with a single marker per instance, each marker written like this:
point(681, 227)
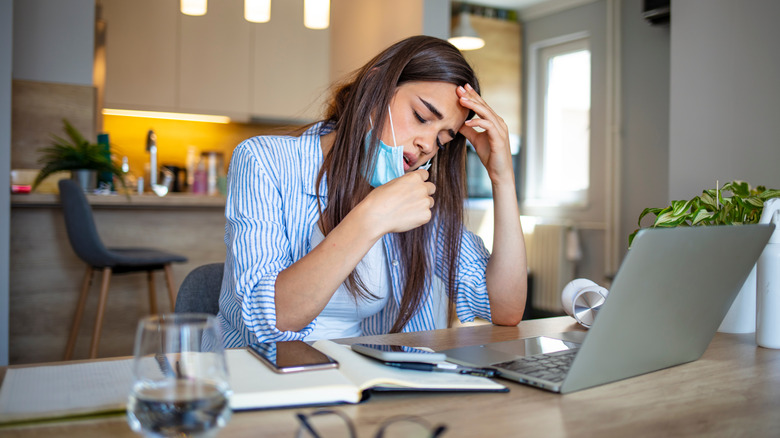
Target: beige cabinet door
point(141, 48)
point(291, 66)
point(215, 61)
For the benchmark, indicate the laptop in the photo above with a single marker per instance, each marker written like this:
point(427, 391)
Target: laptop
point(668, 299)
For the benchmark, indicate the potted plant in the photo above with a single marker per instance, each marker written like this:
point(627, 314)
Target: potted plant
point(744, 206)
point(76, 154)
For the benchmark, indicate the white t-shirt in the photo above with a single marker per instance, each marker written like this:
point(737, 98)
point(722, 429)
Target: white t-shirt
point(342, 315)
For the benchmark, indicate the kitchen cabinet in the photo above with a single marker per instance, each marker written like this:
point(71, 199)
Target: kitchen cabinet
point(291, 65)
point(214, 60)
point(161, 60)
point(141, 61)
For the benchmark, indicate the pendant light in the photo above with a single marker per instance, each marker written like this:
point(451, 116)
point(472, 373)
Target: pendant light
point(193, 7)
point(257, 11)
point(316, 14)
point(464, 37)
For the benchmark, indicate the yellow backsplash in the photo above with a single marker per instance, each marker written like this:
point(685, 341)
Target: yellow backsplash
point(174, 137)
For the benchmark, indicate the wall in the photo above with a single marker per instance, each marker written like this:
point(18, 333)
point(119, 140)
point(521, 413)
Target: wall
point(361, 29)
point(645, 117)
point(724, 114)
point(6, 57)
point(54, 40)
point(53, 53)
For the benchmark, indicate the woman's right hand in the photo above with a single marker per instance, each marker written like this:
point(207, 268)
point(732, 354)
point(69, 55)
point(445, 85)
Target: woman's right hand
point(400, 205)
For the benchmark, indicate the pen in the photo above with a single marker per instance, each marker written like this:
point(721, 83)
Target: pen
point(443, 367)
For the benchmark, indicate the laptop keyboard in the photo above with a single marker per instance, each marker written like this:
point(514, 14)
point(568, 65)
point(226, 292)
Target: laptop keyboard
point(548, 366)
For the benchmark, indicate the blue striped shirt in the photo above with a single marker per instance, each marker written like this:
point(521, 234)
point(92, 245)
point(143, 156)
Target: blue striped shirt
point(271, 211)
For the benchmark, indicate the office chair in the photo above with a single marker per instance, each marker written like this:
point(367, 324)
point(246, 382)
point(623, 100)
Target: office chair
point(88, 246)
point(199, 292)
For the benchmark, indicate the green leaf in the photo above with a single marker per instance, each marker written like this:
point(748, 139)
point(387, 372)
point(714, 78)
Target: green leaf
point(701, 215)
point(707, 200)
point(772, 193)
point(649, 210)
point(680, 207)
point(739, 188)
point(669, 220)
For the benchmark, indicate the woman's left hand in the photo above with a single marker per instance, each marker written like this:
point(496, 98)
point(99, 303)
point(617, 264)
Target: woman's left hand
point(491, 144)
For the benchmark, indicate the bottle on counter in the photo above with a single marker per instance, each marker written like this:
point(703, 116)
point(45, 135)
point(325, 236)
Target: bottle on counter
point(191, 164)
point(768, 281)
point(215, 171)
point(131, 182)
point(105, 180)
point(200, 179)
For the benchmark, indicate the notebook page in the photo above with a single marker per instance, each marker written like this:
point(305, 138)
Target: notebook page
point(62, 390)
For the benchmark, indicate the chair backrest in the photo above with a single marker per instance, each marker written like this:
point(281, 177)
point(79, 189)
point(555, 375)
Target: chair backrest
point(199, 292)
point(80, 225)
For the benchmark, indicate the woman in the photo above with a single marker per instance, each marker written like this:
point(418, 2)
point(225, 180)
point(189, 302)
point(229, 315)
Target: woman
point(346, 229)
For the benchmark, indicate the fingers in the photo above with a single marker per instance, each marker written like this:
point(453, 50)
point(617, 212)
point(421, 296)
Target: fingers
point(422, 173)
point(429, 188)
point(487, 120)
point(470, 99)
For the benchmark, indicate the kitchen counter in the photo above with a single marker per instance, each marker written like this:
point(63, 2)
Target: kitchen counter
point(171, 200)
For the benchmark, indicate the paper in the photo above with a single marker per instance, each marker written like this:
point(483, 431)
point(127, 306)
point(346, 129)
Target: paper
point(40, 392)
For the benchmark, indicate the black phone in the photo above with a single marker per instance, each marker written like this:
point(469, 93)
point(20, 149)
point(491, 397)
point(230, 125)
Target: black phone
point(291, 356)
point(398, 353)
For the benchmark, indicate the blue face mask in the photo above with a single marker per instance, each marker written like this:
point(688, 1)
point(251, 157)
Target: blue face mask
point(389, 163)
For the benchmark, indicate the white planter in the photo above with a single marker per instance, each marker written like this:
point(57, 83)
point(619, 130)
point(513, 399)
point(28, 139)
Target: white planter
point(741, 317)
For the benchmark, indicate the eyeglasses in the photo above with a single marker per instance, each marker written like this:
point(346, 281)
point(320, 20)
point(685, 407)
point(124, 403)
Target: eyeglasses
point(307, 427)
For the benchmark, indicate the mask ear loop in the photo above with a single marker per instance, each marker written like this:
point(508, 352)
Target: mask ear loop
point(392, 129)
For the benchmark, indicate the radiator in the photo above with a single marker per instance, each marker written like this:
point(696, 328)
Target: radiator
point(551, 265)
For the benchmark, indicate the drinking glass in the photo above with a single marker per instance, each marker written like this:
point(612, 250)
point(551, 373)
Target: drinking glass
point(180, 385)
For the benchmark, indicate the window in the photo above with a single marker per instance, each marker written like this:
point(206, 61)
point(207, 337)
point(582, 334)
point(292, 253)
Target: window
point(559, 137)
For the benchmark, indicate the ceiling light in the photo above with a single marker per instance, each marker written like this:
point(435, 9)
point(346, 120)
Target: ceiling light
point(193, 7)
point(257, 11)
point(464, 37)
point(316, 14)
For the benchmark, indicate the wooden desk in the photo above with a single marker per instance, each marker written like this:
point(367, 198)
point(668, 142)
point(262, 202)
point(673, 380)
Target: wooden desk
point(733, 390)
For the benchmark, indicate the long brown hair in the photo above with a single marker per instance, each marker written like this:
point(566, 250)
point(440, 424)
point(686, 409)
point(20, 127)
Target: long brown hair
point(364, 95)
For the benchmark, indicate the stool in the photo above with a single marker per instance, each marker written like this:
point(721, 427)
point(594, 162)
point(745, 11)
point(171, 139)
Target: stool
point(86, 243)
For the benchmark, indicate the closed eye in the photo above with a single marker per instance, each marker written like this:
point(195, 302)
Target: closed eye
point(422, 120)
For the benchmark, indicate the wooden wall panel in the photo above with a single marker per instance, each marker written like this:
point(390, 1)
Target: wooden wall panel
point(37, 110)
point(499, 67)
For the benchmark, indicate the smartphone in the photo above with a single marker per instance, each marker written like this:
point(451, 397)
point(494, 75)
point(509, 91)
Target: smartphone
point(291, 356)
point(398, 353)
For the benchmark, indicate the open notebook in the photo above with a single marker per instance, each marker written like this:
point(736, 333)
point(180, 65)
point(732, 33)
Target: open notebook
point(256, 386)
point(90, 388)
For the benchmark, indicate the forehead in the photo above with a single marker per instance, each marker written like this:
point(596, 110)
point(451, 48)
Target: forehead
point(440, 95)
